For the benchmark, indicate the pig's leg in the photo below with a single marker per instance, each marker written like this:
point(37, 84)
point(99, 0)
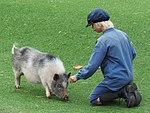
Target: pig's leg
point(48, 93)
point(17, 78)
point(47, 89)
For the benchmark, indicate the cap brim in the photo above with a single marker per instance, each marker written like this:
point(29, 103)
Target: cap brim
point(88, 24)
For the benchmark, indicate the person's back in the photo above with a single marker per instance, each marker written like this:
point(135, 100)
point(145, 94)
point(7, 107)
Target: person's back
point(117, 63)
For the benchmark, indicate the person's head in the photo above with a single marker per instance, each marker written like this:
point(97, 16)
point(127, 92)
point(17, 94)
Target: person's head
point(99, 19)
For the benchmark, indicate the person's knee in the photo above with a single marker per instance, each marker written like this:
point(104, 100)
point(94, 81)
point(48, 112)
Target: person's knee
point(92, 100)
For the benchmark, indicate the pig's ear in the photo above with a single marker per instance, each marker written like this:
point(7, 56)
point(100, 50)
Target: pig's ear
point(56, 77)
point(68, 75)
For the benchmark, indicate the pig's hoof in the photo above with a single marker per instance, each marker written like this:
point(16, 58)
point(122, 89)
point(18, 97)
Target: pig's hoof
point(53, 95)
point(17, 87)
point(49, 97)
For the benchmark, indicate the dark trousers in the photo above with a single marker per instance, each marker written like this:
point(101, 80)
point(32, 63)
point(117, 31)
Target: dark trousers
point(104, 94)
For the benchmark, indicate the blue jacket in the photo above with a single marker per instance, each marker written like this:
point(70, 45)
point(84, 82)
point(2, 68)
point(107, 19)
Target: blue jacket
point(114, 53)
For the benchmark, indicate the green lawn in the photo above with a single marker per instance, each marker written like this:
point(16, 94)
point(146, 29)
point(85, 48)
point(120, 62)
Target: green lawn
point(58, 27)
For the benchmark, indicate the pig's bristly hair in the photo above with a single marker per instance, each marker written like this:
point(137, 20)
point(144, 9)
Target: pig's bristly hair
point(59, 63)
point(13, 48)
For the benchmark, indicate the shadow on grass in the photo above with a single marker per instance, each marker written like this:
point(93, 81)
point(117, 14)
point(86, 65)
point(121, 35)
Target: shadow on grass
point(35, 92)
point(116, 103)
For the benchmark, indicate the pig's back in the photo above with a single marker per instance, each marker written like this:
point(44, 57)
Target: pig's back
point(38, 65)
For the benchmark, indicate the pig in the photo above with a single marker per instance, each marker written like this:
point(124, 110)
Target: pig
point(40, 67)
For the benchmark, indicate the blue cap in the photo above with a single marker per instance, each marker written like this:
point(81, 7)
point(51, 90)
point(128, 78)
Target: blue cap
point(97, 15)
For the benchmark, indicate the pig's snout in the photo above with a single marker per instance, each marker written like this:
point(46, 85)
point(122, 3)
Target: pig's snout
point(65, 98)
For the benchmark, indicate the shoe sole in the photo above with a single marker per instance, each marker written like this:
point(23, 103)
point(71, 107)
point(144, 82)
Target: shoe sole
point(138, 98)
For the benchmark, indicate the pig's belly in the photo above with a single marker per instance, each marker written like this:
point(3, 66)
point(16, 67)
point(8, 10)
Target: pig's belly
point(31, 76)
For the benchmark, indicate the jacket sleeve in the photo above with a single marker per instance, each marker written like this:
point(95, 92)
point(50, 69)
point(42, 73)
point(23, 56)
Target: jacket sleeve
point(95, 61)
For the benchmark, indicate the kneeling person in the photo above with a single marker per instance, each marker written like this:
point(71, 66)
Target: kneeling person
point(114, 53)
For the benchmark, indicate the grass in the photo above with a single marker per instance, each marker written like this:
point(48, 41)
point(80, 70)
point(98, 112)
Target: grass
point(58, 27)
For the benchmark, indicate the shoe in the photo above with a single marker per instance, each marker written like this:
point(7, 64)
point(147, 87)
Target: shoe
point(131, 95)
point(130, 101)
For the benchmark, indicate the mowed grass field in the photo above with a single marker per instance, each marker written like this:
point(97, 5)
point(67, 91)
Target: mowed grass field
point(58, 27)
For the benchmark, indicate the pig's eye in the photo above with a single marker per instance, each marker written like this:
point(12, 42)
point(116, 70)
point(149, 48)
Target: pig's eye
point(59, 85)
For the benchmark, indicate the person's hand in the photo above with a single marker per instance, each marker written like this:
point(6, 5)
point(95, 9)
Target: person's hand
point(73, 79)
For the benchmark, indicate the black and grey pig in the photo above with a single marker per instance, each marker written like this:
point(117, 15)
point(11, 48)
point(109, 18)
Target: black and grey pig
point(39, 67)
